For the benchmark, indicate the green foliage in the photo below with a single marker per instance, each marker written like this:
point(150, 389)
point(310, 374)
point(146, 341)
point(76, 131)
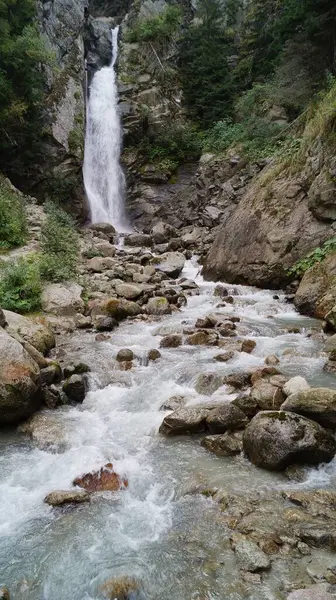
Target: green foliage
point(59, 244)
point(92, 253)
point(22, 54)
point(316, 256)
point(171, 145)
point(20, 285)
point(158, 27)
point(13, 225)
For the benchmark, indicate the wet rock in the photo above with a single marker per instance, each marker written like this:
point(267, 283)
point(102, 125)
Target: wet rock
point(82, 322)
point(46, 429)
point(153, 354)
point(125, 354)
point(32, 331)
point(272, 360)
point(171, 264)
point(19, 382)
point(315, 592)
point(51, 374)
point(99, 264)
point(174, 403)
point(237, 380)
point(126, 365)
point(185, 420)
point(225, 356)
point(206, 323)
point(220, 291)
point(105, 479)
point(318, 536)
point(276, 439)
point(171, 341)
point(208, 383)
point(105, 249)
point(102, 337)
point(267, 396)
point(296, 473)
point(225, 418)
point(104, 323)
point(62, 299)
point(318, 404)
point(247, 404)
point(105, 228)
point(75, 388)
point(263, 373)
point(61, 497)
point(295, 385)
point(120, 309)
point(158, 306)
point(53, 397)
point(250, 557)
point(139, 239)
point(4, 593)
point(248, 346)
point(121, 588)
point(227, 444)
point(202, 338)
point(130, 291)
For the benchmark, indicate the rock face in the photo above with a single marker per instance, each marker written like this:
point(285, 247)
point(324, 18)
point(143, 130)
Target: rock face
point(62, 299)
point(276, 439)
point(106, 479)
point(318, 404)
point(316, 294)
point(270, 229)
point(67, 497)
point(19, 382)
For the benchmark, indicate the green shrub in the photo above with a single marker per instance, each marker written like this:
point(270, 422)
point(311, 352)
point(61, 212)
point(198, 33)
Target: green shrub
point(59, 244)
point(174, 143)
point(160, 27)
point(316, 256)
point(20, 285)
point(13, 225)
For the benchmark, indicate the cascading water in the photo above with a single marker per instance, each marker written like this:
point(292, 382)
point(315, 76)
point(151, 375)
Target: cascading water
point(103, 177)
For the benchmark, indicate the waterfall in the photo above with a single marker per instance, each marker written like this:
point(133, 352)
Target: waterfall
point(103, 177)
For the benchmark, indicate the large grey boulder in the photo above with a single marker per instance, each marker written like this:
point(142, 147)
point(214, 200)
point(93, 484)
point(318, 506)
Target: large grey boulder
point(32, 331)
point(266, 395)
point(276, 439)
point(319, 591)
point(19, 381)
point(250, 557)
point(46, 429)
point(185, 420)
point(158, 305)
point(227, 417)
point(63, 299)
point(318, 404)
point(130, 291)
point(294, 385)
point(172, 264)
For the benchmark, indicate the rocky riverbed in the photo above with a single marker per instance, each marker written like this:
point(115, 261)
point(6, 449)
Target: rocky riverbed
point(180, 438)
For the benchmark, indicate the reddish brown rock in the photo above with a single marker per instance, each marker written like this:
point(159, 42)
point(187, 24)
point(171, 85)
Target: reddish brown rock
point(104, 480)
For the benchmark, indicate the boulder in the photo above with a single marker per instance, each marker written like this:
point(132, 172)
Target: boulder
point(250, 557)
point(202, 338)
point(98, 264)
point(225, 418)
point(318, 404)
point(276, 439)
point(208, 383)
point(185, 420)
point(171, 341)
point(225, 357)
point(67, 497)
point(158, 306)
point(248, 346)
point(32, 331)
point(272, 360)
point(316, 294)
point(120, 309)
point(105, 249)
point(153, 354)
point(247, 404)
point(227, 444)
point(46, 430)
point(103, 480)
point(20, 382)
point(237, 380)
point(104, 323)
point(125, 354)
point(62, 299)
point(174, 403)
point(138, 239)
point(266, 395)
point(75, 388)
point(121, 588)
point(171, 264)
point(105, 228)
point(294, 385)
point(130, 291)
point(4, 593)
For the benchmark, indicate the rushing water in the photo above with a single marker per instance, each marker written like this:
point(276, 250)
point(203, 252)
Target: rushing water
point(174, 542)
point(103, 176)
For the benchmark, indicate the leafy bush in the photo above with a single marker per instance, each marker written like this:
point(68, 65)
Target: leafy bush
point(159, 27)
point(20, 285)
point(316, 256)
point(174, 142)
point(13, 225)
point(59, 244)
